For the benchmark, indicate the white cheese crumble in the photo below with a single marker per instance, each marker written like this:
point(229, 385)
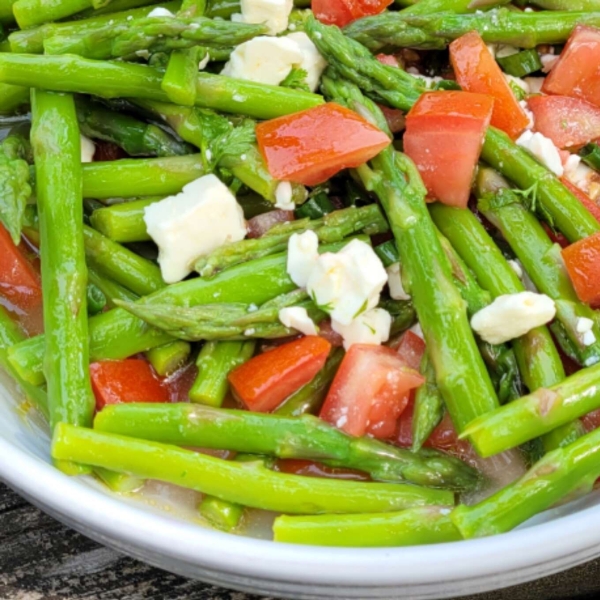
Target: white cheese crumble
point(312, 62)
point(204, 62)
point(347, 283)
point(397, 291)
point(543, 149)
point(296, 317)
point(535, 84)
point(416, 329)
point(371, 327)
point(530, 116)
point(275, 14)
point(548, 62)
point(584, 325)
point(589, 338)
point(515, 265)
point(186, 226)
point(88, 149)
point(159, 11)
point(264, 59)
point(303, 252)
point(283, 196)
point(512, 316)
point(580, 175)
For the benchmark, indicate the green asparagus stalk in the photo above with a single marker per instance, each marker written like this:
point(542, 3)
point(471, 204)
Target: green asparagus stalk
point(55, 140)
point(168, 358)
point(221, 514)
point(550, 480)
point(412, 527)
point(536, 414)
point(429, 406)
point(96, 300)
point(243, 483)
point(215, 361)
point(124, 222)
point(30, 13)
point(135, 137)
point(193, 8)
point(106, 79)
point(179, 81)
point(306, 437)
point(566, 5)
point(12, 98)
point(310, 397)
point(333, 227)
point(111, 289)
point(153, 34)
point(120, 483)
point(425, 7)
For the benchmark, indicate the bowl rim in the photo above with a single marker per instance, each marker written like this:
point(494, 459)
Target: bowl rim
point(243, 556)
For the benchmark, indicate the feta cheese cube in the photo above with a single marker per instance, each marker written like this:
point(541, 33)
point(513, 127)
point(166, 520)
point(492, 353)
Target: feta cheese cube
point(371, 327)
point(535, 84)
point(543, 149)
point(579, 174)
point(584, 325)
point(88, 149)
point(264, 59)
point(203, 217)
point(283, 196)
point(347, 283)
point(159, 11)
point(297, 318)
point(275, 14)
point(513, 315)
point(303, 252)
point(397, 291)
point(548, 62)
point(312, 62)
point(589, 338)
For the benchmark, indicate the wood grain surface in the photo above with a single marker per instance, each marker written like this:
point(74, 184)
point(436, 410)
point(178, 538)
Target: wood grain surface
point(40, 559)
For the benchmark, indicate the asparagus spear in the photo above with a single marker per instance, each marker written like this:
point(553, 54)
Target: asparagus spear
point(168, 358)
point(536, 414)
point(452, 347)
point(305, 437)
point(215, 361)
point(55, 140)
point(567, 4)
point(30, 13)
point(111, 289)
point(123, 222)
point(429, 406)
point(106, 79)
point(243, 483)
point(179, 82)
point(12, 98)
point(550, 480)
point(153, 34)
point(135, 137)
point(412, 527)
point(425, 7)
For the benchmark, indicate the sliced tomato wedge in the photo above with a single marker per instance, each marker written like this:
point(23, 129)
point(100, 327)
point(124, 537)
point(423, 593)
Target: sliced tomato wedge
point(576, 72)
point(568, 122)
point(369, 390)
point(311, 146)
point(444, 136)
point(342, 12)
point(592, 207)
point(477, 71)
point(410, 349)
point(582, 259)
point(129, 380)
point(266, 380)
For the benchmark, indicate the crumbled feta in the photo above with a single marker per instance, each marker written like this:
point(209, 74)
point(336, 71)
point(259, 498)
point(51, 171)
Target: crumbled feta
point(513, 315)
point(204, 62)
point(535, 84)
point(504, 50)
point(543, 149)
point(264, 59)
point(548, 62)
point(416, 329)
point(296, 317)
point(429, 82)
point(589, 338)
point(397, 291)
point(584, 325)
point(530, 117)
point(143, 54)
point(275, 14)
point(579, 174)
point(159, 11)
point(88, 149)
point(203, 217)
point(303, 252)
point(371, 327)
point(347, 283)
point(312, 62)
point(283, 196)
point(521, 83)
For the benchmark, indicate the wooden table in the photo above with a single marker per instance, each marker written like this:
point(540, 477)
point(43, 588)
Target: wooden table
point(40, 559)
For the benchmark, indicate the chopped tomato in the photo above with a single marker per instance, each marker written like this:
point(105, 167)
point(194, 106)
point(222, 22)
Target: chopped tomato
point(556, 236)
point(129, 380)
point(311, 146)
point(309, 468)
point(592, 207)
point(395, 118)
point(180, 383)
point(576, 72)
point(582, 260)
point(369, 390)
point(342, 12)
point(568, 122)
point(444, 136)
point(477, 71)
point(266, 380)
point(333, 337)
point(411, 349)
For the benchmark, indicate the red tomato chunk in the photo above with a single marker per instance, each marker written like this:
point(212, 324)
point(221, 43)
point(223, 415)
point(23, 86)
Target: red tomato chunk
point(444, 136)
point(369, 391)
point(129, 380)
point(592, 207)
point(342, 12)
point(411, 349)
point(477, 71)
point(266, 380)
point(582, 260)
point(311, 146)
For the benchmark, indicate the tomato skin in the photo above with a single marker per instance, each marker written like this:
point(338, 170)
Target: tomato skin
point(592, 207)
point(444, 136)
point(395, 118)
point(477, 71)
point(266, 380)
point(577, 71)
point(411, 349)
point(342, 12)
point(369, 391)
point(582, 259)
point(311, 146)
point(309, 468)
point(129, 380)
point(568, 122)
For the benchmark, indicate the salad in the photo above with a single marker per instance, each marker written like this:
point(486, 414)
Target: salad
point(338, 260)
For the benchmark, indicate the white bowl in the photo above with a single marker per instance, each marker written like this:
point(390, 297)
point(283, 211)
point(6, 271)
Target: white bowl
point(555, 541)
